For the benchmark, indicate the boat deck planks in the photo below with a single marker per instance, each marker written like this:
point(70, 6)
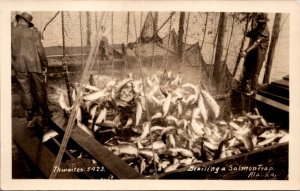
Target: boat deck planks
point(272, 103)
point(112, 162)
point(38, 153)
point(266, 101)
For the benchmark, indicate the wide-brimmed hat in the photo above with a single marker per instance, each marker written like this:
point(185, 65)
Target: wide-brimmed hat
point(262, 17)
point(27, 17)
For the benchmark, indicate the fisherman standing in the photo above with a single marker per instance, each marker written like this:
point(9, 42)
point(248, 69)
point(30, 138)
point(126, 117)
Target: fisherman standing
point(255, 54)
point(30, 65)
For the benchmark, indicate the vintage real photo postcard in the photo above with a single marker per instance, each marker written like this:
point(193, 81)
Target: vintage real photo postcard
point(149, 95)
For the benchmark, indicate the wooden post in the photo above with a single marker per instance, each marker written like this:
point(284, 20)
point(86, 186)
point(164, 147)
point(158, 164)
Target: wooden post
point(180, 34)
point(274, 39)
point(218, 65)
point(155, 21)
point(88, 29)
point(64, 63)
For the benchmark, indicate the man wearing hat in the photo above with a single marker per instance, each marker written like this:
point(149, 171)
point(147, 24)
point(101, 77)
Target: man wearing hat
point(255, 54)
point(30, 65)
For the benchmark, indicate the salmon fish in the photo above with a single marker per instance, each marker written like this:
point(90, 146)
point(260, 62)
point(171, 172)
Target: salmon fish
point(128, 123)
point(111, 83)
point(85, 128)
point(95, 95)
point(172, 167)
point(201, 106)
point(49, 135)
point(138, 113)
point(102, 116)
point(63, 104)
point(92, 113)
point(212, 104)
point(146, 130)
point(149, 153)
point(179, 107)
point(196, 113)
point(124, 149)
point(191, 99)
point(157, 115)
point(172, 140)
point(185, 152)
point(90, 87)
point(197, 127)
point(191, 86)
point(142, 165)
point(284, 139)
point(157, 145)
point(166, 105)
point(156, 128)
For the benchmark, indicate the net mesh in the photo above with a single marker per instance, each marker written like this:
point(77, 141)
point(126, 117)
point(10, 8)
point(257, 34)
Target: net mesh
point(123, 32)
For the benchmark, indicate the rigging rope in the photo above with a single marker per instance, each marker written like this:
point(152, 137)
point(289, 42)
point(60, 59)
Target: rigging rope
point(169, 35)
point(46, 25)
point(71, 121)
point(137, 51)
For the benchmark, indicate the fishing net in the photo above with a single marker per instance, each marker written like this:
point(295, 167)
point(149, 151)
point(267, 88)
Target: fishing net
point(202, 59)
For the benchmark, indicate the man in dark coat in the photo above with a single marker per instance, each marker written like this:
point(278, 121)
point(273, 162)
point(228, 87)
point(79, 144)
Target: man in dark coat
point(255, 54)
point(30, 65)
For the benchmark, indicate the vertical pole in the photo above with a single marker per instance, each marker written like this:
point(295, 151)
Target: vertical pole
point(63, 33)
point(64, 63)
point(274, 40)
point(180, 34)
point(81, 46)
point(218, 65)
point(241, 48)
point(155, 21)
point(88, 29)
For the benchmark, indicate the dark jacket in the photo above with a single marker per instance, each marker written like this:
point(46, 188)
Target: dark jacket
point(28, 54)
point(259, 38)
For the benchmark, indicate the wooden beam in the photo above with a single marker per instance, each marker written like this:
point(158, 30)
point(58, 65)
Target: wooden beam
point(274, 40)
point(180, 34)
point(112, 162)
point(218, 65)
point(36, 151)
point(88, 29)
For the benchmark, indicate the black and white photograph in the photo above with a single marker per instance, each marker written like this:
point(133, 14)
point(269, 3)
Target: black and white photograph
point(180, 94)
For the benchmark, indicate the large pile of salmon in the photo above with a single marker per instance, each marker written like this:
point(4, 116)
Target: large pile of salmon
point(162, 123)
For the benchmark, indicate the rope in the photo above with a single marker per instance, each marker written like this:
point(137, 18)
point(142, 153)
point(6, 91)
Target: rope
point(71, 120)
point(168, 46)
point(46, 25)
point(146, 103)
point(147, 114)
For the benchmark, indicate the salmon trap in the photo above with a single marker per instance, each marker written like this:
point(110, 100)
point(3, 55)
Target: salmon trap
point(162, 123)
